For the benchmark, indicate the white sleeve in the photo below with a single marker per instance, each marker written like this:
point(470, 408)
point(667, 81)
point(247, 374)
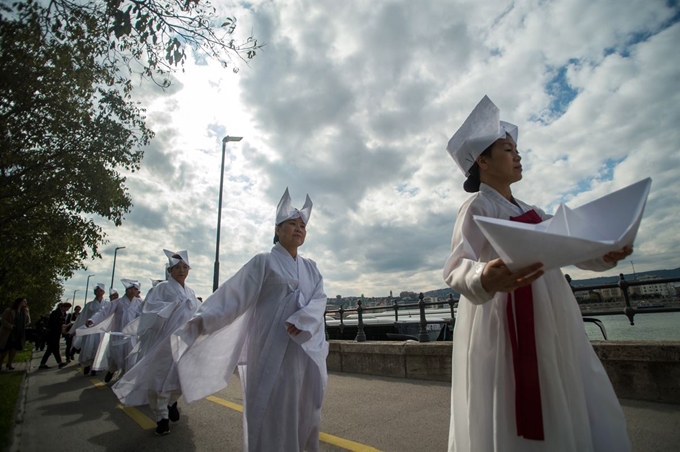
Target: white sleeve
point(224, 306)
point(233, 297)
point(104, 312)
point(463, 269)
point(207, 347)
point(309, 319)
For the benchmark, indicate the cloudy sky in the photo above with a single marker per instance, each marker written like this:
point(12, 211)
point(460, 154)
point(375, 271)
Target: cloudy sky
point(354, 102)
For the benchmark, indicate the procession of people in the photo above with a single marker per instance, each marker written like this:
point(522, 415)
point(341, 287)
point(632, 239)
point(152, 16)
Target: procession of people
point(267, 320)
point(521, 379)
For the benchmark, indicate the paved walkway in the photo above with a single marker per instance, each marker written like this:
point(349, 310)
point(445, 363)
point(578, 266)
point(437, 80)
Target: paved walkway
point(62, 410)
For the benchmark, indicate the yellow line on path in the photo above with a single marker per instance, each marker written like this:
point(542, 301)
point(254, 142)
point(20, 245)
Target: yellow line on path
point(98, 384)
point(325, 437)
point(228, 404)
point(138, 417)
point(345, 443)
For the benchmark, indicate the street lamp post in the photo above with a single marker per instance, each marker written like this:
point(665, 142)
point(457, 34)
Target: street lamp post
point(74, 299)
point(87, 287)
point(113, 272)
point(216, 273)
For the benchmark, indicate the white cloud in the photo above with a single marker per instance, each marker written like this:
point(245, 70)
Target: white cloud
point(354, 102)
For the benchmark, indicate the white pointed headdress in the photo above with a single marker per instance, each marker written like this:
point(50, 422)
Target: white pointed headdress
point(285, 211)
point(172, 261)
point(131, 283)
point(155, 282)
point(478, 132)
point(101, 286)
point(112, 291)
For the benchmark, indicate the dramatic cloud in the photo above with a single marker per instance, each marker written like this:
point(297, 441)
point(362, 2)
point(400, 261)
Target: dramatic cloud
point(354, 102)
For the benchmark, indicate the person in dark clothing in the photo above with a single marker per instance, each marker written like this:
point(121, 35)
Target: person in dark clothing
point(70, 320)
point(13, 330)
point(55, 326)
point(41, 333)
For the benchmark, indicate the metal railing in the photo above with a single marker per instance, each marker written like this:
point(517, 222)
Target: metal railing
point(630, 311)
point(624, 285)
point(423, 336)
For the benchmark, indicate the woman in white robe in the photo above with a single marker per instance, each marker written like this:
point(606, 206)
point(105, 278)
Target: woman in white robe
point(116, 346)
point(268, 319)
point(569, 403)
point(89, 343)
point(153, 379)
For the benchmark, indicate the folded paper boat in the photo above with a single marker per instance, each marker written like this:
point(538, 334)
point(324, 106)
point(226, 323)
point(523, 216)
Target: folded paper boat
point(571, 236)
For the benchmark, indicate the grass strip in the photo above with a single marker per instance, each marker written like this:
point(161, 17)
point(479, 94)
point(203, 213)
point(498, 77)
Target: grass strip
point(10, 385)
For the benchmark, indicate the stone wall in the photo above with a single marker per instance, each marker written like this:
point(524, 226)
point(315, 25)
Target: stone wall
point(642, 370)
point(647, 370)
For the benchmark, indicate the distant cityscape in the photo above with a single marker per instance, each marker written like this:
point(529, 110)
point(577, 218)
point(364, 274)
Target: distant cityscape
point(647, 293)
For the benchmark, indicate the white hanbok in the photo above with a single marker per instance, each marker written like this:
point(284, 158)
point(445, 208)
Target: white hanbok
point(165, 309)
point(87, 344)
point(115, 346)
point(284, 377)
point(580, 410)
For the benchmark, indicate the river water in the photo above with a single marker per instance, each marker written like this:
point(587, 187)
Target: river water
point(648, 327)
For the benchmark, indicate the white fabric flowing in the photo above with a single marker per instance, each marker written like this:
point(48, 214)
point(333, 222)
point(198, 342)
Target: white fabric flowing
point(115, 346)
point(580, 410)
point(87, 340)
point(165, 308)
point(284, 377)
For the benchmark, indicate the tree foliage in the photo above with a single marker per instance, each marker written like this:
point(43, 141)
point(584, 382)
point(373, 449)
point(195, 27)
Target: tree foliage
point(69, 126)
point(151, 37)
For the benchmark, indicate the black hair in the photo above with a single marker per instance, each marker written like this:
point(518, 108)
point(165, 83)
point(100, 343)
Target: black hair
point(472, 183)
point(276, 236)
point(17, 302)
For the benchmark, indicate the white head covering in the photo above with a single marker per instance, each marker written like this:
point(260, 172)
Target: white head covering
point(100, 285)
point(172, 261)
point(478, 132)
point(112, 291)
point(285, 211)
point(131, 283)
point(154, 282)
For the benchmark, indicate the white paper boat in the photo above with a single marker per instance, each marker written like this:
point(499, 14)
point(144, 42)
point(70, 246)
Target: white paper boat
point(571, 236)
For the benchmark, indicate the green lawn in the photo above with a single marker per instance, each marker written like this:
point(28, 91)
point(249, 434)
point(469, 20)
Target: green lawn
point(10, 383)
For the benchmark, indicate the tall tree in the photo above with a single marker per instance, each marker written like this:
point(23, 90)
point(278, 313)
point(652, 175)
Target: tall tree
point(69, 126)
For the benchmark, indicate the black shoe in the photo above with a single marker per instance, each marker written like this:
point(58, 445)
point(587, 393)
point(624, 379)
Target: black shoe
point(93, 373)
point(86, 370)
point(108, 377)
point(9, 367)
point(162, 427)
point(62, 365)
point(173, 412)
point(43, 366)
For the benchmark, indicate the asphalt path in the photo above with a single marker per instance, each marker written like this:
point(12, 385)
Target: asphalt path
point(63, 410)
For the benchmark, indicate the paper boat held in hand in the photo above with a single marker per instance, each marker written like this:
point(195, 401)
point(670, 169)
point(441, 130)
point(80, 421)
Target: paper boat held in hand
point(571, 236)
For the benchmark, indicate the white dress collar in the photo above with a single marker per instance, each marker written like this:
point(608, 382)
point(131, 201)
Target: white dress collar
point(492, 193)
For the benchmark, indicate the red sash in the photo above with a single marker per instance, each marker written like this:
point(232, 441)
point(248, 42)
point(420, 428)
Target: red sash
point(528, 412)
